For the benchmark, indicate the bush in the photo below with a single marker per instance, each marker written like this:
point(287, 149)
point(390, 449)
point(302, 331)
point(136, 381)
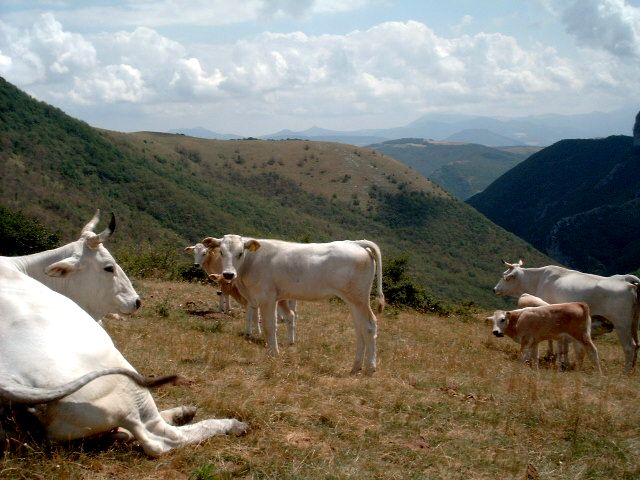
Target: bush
point(21, 235)
point(163, 262)
point(401, 291)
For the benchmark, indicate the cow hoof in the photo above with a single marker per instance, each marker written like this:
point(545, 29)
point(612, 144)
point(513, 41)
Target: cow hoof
point(238, 427)
point(185, 415)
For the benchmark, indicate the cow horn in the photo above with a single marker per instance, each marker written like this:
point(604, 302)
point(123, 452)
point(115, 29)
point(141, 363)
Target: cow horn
point(107, 232)
point(92, 223)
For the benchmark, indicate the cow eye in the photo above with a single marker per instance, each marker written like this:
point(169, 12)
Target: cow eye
point(109, 269)
point(240, 254)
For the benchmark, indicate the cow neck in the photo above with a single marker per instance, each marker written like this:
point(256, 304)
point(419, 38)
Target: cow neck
point(531, 278)
point(511, 328)
point(34, 265)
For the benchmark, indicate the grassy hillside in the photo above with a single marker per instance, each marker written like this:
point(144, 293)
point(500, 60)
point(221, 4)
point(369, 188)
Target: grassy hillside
point(577, 200)
point(463, 169)
point(171, 190)
point(449, 401)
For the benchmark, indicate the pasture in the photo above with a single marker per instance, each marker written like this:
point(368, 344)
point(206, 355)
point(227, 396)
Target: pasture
point(448, 401)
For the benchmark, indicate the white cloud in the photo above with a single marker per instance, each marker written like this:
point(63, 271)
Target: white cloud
point(611, 25)
point(111, 84)
point(44, 51)
point(388, 69)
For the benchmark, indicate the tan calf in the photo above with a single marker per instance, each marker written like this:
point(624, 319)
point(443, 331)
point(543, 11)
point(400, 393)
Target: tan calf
point(531, 325)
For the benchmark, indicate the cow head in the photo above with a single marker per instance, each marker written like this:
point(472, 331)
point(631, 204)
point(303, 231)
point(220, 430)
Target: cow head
point(232, 251)
point(499, 320)
point(509, 284)
point(92, 278)
point(199, 252)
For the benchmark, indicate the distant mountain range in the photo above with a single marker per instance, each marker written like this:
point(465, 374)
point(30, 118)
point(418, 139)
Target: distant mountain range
point(577, 200)
point(540, 130)
point(462, 169)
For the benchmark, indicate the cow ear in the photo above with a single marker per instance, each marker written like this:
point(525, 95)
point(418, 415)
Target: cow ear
point(211, 242)
point(63, 268)
point(520, 262)
point(252, 245)
point(488, 320)
point(190, 249)
point(216, 277)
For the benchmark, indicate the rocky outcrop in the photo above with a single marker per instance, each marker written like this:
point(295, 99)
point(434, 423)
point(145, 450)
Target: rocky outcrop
point(636, 135)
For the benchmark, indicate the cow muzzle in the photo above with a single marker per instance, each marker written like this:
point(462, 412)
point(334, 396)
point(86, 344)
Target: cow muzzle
point(228, 276)
point(498, 333)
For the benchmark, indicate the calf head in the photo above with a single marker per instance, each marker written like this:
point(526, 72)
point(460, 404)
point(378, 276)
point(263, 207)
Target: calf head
point(199, 252)
point(232, 252)
point(92, 278)
point(499, 321)
point(510, 283)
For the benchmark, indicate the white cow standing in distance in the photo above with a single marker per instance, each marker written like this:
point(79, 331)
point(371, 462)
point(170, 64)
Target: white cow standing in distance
point(613, 298)
point(265, 271)
point(50, 348)
point(84, 271)
point(210, 261)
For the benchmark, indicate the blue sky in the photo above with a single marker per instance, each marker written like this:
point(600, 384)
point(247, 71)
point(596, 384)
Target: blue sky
point(257, 66)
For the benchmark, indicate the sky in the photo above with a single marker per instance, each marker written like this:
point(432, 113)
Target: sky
point(254, 67)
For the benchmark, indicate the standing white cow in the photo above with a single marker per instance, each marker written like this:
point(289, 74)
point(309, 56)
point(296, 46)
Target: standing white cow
point(49, 349)
point(265, 271)
point(210, 261)
point(84, 271)
point(613, 298)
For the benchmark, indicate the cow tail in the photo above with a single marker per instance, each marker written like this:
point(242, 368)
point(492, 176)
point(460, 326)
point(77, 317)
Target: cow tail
point(376, 255)
point(24, 394)
point(636, 314)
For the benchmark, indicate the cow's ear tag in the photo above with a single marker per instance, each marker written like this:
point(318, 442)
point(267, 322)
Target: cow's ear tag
point(253, 245)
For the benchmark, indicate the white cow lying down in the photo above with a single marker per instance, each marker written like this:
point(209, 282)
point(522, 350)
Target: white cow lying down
point(47, 341)
point(84, 271)
point(266, 271)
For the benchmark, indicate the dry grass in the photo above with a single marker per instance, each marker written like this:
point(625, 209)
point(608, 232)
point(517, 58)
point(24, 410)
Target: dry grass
point(448, 401)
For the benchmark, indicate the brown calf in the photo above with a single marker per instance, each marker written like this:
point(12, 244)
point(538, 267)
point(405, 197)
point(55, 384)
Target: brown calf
point(531, 325)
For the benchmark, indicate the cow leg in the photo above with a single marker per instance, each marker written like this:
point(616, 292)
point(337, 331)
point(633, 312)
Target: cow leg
point(221, 301)
point(289, 317)
point(366, 329)
point(227, 302)
point(252, 322)
point(580, 351)
point(629, 347)
point(550, 351)
point(268, 314)
point(132, 409)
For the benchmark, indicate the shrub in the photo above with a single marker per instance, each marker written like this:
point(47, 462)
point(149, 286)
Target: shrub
point(22, 235)
point(401, 291)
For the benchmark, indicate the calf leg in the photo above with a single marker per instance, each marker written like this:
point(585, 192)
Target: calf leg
point(593, 353)
point(563, 352)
